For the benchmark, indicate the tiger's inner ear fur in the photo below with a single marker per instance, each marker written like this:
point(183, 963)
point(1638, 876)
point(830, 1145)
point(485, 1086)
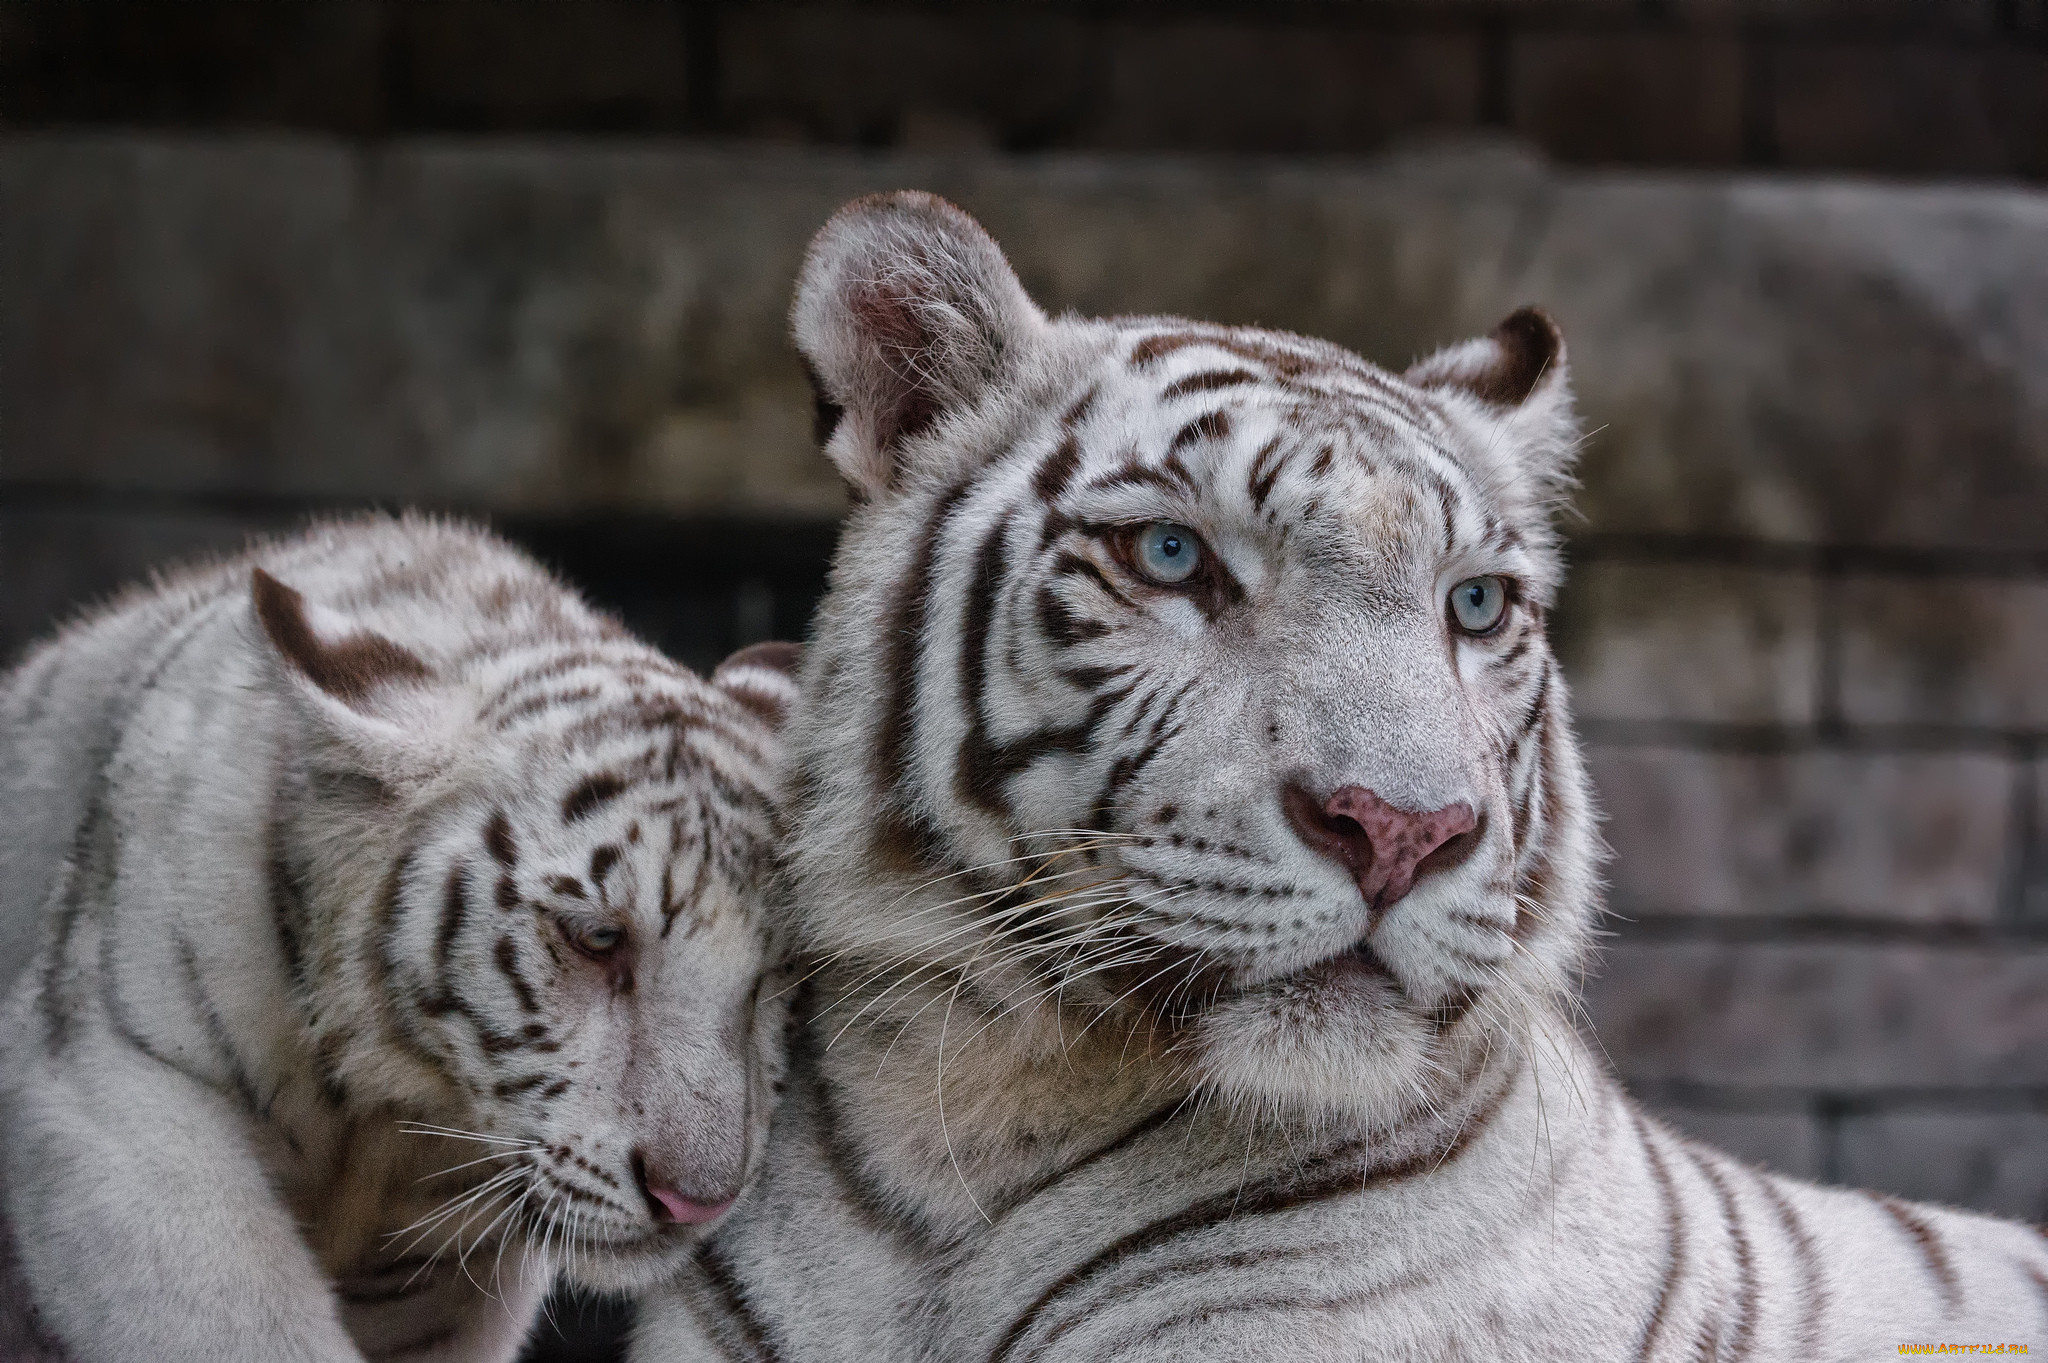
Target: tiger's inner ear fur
point(370, 697)
point(905, 312)
point(1515, 385)
point(763, 677)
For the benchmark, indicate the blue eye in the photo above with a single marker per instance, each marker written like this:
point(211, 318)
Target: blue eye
point(597, 939)
point(1478, 603)
point(1167, 552)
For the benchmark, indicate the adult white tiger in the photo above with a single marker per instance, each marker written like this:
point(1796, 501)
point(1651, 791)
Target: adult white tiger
point(367, 835)
point(1196, 842)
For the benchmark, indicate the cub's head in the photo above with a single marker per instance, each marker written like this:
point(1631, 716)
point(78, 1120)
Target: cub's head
point(525, 896)
point(1187, 678)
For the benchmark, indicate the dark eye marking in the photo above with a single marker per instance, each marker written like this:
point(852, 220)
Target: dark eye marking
point(568, 886)
point(1211, 585)
point(591, 792)
point(498, 839)
point(602, 861)
point(1207, 381)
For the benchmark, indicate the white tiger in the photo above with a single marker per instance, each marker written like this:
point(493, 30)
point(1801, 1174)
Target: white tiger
point(402, 937)
point(1194, 840)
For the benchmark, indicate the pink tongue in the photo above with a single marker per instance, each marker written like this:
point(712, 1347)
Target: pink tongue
point(689, 1213)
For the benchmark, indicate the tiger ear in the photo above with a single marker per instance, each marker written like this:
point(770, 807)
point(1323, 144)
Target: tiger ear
point(905, 312)
point(1515, 380)
point(371, 700)
point(763, 677)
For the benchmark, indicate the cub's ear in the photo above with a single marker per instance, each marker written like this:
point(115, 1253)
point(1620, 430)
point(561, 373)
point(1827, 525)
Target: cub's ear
point(370, 697)
point(763, 677)
point(905, 312)
point(1516, 380)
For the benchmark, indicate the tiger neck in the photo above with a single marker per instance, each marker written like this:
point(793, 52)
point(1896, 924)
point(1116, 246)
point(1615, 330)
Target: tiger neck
point(944, 1104)
point(929, 1106)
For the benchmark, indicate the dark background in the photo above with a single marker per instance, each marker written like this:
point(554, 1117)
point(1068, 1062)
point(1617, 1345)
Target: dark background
point(1851, 1033)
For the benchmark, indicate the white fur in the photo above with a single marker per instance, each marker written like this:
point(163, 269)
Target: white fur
point(289, 929)
point(1102, 1060)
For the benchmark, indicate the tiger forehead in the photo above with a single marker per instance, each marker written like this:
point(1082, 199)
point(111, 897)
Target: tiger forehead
point(1200, 430)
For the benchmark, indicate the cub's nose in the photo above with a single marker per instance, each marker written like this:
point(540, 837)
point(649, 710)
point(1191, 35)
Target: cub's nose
point(667, 1204)
point(1383, 846)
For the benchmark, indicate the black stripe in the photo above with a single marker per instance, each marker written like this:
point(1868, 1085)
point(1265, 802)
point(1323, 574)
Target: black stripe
point(1207, 381)
point(592, 791)
point(1813, 1293)
point(977, 778)
point(1265, 471)
point(505, 954)
point(1071, 564)
point(739, 1333)
point(454, 911)
point(1057, 471)
point(1061, 625)
point(906, 638)
point(1209, 426)
point(1674, 1234)
point(1928, 1241)
point(1745, 1258)
point(216, 1030)
point(1342, 1172)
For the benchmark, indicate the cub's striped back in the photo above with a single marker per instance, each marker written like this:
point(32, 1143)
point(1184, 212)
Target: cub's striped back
point(413, 918)
point(1199, 861)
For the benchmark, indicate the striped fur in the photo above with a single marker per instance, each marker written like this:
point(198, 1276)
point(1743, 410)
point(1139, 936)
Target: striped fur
point(328, 849)
point(1102, 1060)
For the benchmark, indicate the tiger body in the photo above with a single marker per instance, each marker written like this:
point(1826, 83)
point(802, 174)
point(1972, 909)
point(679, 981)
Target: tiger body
point(387, 937)
point(1197, 946)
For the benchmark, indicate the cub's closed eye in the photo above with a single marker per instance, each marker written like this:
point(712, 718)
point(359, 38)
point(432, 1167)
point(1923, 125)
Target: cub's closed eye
point(1478, 604)
point(595, 939)
point(1165, 552)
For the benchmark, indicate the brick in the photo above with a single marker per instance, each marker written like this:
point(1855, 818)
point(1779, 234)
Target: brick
point(1991, 1162)
point(498, 64)
point(2034, 865)
point(1664, 98)
point(1644, 641)
point(199, 63)
point(583, 326)
point(1943, 651)
point(1912, 837)
point(1217, 85)
point(881, 76)
point(1930, 18)
point(1842, 1016)
point(1789, 1142)
point(1901, 107)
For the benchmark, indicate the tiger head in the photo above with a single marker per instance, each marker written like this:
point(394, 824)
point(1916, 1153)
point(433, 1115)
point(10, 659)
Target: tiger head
point(1187, 674)
point(527, 899)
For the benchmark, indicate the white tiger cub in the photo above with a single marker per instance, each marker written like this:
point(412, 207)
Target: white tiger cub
point(1196, 845)
point(339, 851)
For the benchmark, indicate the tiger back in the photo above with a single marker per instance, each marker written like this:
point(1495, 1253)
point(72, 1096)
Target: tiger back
point(388, 938)
point(1199, 863)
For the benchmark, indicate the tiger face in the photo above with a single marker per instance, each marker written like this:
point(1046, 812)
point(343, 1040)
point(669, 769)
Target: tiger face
point(1201, 671)
point(541, 898)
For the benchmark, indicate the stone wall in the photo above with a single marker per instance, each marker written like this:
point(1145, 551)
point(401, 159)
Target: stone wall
point(1811, 555)
point(1912, 86)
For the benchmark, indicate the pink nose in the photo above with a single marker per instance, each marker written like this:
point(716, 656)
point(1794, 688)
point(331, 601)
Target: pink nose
point(1383, 847)
point(680, 1209)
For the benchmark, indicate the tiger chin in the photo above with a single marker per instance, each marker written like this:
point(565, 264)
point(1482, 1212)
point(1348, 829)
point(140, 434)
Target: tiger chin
point(1194, 846)
point(393, 937)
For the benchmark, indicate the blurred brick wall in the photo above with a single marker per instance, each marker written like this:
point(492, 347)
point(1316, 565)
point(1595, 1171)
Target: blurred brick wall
point(1912, 86)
